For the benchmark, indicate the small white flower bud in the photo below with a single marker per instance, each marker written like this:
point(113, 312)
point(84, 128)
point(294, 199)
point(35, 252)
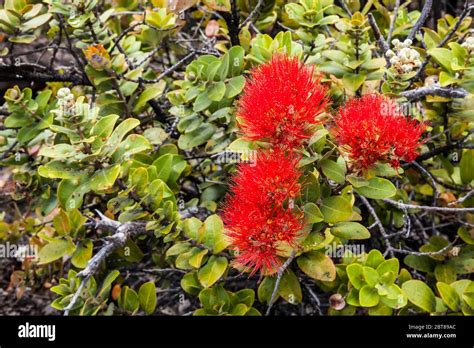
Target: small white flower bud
point(63, 92)
point(390, 53)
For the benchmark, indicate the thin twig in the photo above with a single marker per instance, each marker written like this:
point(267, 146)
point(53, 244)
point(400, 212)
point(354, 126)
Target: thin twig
point(344, 7)
point(164, 73)
point(252, 14)
point(428, 208)
point(428, 253)
point(379, 37)
point(423, 17)
point(114, 242)
point(392, 21)
point(430, 178)
point(462, 199)
point(467, 9)
point(418, 93)
point(315, 298)
point(379, 224)
point(278, 280)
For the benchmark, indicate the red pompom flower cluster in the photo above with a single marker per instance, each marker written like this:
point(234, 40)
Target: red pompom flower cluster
point(280, 103)
point(259, 213)
point(371, 130)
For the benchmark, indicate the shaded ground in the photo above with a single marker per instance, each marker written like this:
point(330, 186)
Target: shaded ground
point(31, 302)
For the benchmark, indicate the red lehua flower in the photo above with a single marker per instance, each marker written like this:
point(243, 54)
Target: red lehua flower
point(259, 211)
point(280, 102)
point(371, 130)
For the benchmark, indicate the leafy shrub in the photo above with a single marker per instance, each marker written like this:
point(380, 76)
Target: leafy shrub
point(341, 135)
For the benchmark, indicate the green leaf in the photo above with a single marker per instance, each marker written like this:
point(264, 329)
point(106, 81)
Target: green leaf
point(353, 82)
point(239, 310)
point(60, 151)
point(355, 274)
point(216, 298)
point(151, 92)
point(336, 209)
point(36, 22)
point(55, 250)
point(380, 310)
point(58, 169)
point(331, 19)
point(378, 188)
point(147, 297)
point(236, 60)
point(443, 57)
point(108, 282)
point(333, 171)
point(71, 193)
point(178, 248)
point(466, 234)
point(128, 299)
point(62, 224)
point(130, 251)
point(163, 166)
point(15, 5)
point(169, 167)
point(82, 255)
point(445, 273)
point(104, 179)
point(134, 143)
point(393, 296)
point(182, 261)
point(317, 265)
point(368, 296)
point(22, 39)
point(311, 188)
point(245, 296)
point(370, 275)
point(197, 259)
point(217, 91)
point(190, 283)
point(221, 73)
point(119, 133)
point(202, 102)
point(212, 271)
point(212, 69)
point(421, 263)
point(265, 290)
point(191, 227)
point(290, 288)
point(466, 166)
point(234, 86)
point(420, 295)
point(353, 297)
point(374, 258)
point(211, 234)
point(390, 265)
point(350, 230)
point(449, 296)
point(312, 213)
point(197, 137)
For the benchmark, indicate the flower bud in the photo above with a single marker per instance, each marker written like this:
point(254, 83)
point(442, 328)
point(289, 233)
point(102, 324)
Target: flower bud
point(63, 92)
point(390, 53)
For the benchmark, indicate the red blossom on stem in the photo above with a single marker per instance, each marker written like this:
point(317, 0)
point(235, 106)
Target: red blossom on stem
point(259, 213)
point(371, 130)
point(280, 103)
